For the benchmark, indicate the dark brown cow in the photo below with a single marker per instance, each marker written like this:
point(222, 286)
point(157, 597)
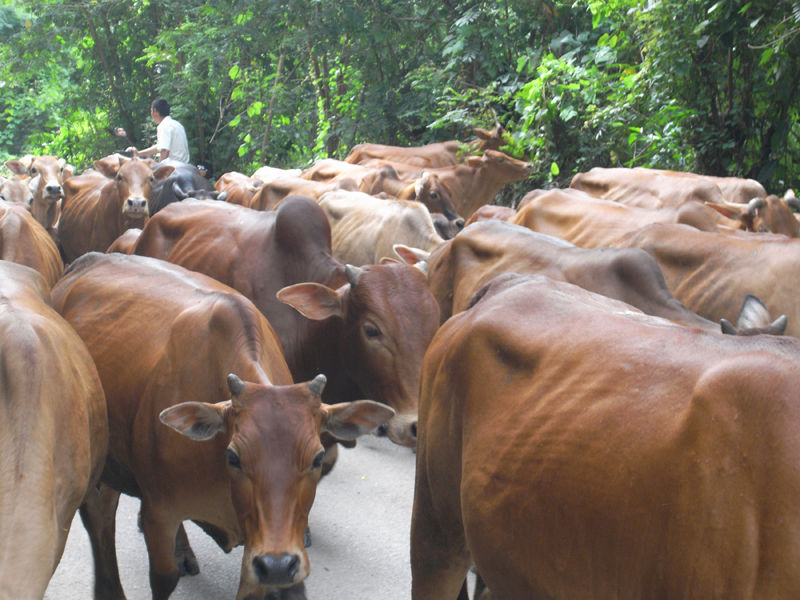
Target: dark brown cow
point(23, 240)
point(465, 264)
point(473, 184)
point(590, 222)
point(47, 176)
point(100, 205)
point(53, 431)
point(437, 154)
point(365, 328)
point(205, 423)
point(710, 273)
point(574, 449)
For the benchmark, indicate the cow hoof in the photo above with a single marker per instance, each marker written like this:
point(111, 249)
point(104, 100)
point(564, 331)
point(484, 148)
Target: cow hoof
point(187, 564)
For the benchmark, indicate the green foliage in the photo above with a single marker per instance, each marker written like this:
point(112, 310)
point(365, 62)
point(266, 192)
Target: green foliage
point(702, 85)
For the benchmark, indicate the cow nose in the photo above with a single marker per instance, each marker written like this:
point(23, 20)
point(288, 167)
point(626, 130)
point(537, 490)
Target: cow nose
point(53, 190)
point(459, 223)
point(136, 204)
point(276, 569)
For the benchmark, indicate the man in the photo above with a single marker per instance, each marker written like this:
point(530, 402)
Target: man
point(171, 139)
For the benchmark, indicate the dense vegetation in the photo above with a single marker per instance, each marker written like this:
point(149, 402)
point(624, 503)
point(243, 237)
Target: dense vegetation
point(703, 85)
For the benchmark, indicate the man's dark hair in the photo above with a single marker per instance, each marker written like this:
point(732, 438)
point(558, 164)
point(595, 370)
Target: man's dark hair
point(161, 105)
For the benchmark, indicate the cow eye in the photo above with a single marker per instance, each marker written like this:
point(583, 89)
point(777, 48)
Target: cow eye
point(233, 459)
point(435, 195)
point(317, 462)
point(34, 170)
point(371, 331)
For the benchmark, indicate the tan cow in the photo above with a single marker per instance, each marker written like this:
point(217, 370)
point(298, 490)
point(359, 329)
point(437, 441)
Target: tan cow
point(53, 431)
point(437, 154)
point(205, 423)
point(100, 205)
point(271, 194)
point(573, 448)
point(23, 240)
point(47, 176)
point(16, 190)
point(364, 229)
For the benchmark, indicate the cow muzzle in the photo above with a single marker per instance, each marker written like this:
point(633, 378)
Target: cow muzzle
point(135, 207)
point(276, 569)
point(402, 430)
point(54, 193)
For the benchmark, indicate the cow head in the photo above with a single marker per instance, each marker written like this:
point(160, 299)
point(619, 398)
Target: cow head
point(388, 318)
point(273, 460)
point(16, 191)
point(134, 179)
point(501, 167)
point(430, 191)
point(46, 177)
point(772, 214)
point(754, 319)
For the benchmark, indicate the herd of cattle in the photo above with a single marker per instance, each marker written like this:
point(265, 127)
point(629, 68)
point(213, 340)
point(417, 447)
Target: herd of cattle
point(600, 383)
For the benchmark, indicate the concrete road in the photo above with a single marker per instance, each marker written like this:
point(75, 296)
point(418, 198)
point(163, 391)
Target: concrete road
point(359, 525)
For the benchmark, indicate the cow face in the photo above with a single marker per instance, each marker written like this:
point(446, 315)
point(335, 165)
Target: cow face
point(274, 461)
point(389, 316)
point(502, 167)
point(46, 176)
point(134, 180)
point(16, 191)
point(431, 192)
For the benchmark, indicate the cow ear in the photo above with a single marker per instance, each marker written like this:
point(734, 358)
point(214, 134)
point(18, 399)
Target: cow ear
point(348, 420)
point(163, 172)
point(198, 421)
point(312, 300)
point(475, 161)
point(17, 167)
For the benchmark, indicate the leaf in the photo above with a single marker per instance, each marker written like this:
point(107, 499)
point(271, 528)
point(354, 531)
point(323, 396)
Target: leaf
point(234, 72)
point(554, 170)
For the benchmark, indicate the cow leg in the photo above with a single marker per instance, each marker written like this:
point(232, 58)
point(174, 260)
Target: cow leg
point(159, 535)
point(439, 556)
point(184, 555)
point(98, 513)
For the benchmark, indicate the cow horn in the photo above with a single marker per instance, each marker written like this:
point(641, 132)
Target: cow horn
point(353, 274)
point(780, 323)
point(317, 384)
point(754, 205)
point(235, 385)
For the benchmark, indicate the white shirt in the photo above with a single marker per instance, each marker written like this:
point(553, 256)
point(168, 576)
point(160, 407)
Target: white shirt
point(172, 136)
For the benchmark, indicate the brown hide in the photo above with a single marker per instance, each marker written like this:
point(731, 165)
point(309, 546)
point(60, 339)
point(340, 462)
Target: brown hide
point(481, 252)
point(23, 240)
point(205, 422)
point(573, 449)
point(367, 338)
point(100, 205)
point(54, 431)
point(590, 222)
point(239, 187)
point(364, 228)
point(271, 194)
point(437, 154)
point(711, 273)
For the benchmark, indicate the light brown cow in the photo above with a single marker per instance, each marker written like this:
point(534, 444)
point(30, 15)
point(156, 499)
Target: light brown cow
point(53, 431)
point(710, 273)
point(365, 328)
point(271, 194)
point(590, 222)
point(23, 240)
point(100, 205)
point(205, 423)
point(47, 176)
point(239, 187)
point(473, 184)
point(743, 200)
point(364, 228)
point(266, 174)
point(575, 449)
point(16, 190)
point(437, 154)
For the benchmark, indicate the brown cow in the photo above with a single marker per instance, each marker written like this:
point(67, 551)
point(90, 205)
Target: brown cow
point(364, 228)
point(181, 348)
point(53, 431)
point(590, 222)
point(239, 188)
point(47, 176)
point(710, 273)
point(100, 205)
point(437, 154)
point(271, 194)
point(23, 240)
point(365, 328)
point(574, 449)
point(465, 264)
point(473, 184)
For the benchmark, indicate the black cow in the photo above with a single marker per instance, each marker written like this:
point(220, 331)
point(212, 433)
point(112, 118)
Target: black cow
point(186, 181)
